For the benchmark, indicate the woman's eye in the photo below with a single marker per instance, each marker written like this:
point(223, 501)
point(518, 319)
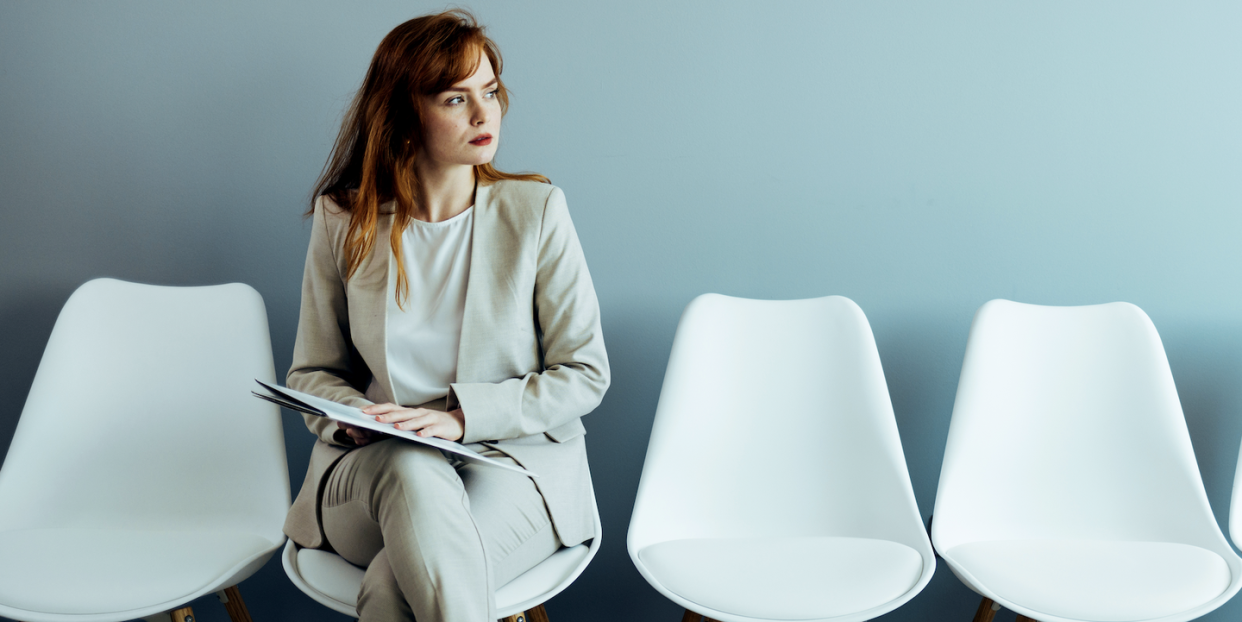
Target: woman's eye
point(492, 93)
point(455, 100)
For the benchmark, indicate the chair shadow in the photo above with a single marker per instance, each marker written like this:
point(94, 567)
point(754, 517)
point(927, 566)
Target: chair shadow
point(28, 323)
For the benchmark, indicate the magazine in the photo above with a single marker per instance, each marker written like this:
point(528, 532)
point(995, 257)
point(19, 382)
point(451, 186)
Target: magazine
point(319, 407)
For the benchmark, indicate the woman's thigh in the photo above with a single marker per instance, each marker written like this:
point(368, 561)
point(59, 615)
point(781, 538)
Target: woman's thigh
point(366, 478)
point(507, 510)
point(510, 515)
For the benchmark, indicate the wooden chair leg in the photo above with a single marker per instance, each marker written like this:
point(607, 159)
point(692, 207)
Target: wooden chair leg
point(184, 614)
point(232, 599)
point(523, 616)
point(538, 614)
point(987, 610)
point(691, 616)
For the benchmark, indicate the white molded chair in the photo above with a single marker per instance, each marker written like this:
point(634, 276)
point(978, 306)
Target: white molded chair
point(1069, 491)
point(142, 474)
point(1235, 506)
point(335, 583)
point(774, 486)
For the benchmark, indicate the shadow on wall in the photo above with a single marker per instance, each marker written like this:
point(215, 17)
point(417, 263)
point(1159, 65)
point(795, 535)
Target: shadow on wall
point(27, 323)
point(1206, 360)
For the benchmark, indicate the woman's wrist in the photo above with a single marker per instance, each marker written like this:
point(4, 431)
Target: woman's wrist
point(460, 416)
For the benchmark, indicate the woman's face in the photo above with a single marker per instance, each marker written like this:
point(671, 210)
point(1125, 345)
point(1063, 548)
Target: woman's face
point(462, 125)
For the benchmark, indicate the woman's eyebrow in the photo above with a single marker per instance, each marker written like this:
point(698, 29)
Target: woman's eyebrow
point(455, 89)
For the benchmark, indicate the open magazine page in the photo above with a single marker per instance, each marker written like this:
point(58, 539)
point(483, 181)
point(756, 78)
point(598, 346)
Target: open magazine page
point(309, 404)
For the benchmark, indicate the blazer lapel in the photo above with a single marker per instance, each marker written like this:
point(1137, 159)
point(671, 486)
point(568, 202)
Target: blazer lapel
point(473, 322)
point(369, 307)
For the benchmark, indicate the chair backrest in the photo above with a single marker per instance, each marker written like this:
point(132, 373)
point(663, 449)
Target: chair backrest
point(1067, 425)
point(1235, 506)
point(774, 419)
point(140, 416)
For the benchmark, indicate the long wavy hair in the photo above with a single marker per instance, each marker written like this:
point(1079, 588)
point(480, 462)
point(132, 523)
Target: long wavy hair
point(372, 162)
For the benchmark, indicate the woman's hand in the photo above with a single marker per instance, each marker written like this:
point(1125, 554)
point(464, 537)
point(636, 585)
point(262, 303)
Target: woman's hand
point(446, 425)
point(359, 436)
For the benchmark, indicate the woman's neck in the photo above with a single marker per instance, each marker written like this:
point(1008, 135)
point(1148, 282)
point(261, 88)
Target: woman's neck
point(447, 191)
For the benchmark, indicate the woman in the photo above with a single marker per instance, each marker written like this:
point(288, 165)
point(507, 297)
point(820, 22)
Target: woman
point(446, 297)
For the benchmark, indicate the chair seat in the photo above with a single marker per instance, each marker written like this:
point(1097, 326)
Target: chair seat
point(785, 578)
point(1104, 581)
point(339, 581)
point(84, 571)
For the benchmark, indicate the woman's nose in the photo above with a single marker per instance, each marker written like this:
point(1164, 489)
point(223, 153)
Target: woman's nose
point(480, 115)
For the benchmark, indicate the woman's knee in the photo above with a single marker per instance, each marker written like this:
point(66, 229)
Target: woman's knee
point(415, 466)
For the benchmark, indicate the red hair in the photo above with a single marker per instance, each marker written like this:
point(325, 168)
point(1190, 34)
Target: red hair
point(372, 161)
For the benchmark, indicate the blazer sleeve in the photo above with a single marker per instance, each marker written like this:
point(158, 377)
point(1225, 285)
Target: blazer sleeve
point(575, 374)
point(325, 362)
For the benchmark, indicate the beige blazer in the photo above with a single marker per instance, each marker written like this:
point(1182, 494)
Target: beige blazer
point(531, 360)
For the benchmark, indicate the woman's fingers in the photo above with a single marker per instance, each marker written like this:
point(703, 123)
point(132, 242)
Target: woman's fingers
point(440, 424)
point(435, 429)
point(360, 436)
point(394, 414)
point(405, 415)
point(424, 421)
point(379, 409)
point(417, 419)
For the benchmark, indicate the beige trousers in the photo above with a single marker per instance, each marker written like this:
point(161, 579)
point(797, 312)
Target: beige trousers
point(436, 535)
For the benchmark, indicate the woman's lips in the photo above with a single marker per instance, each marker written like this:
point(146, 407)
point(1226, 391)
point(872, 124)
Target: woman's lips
point(483, 140)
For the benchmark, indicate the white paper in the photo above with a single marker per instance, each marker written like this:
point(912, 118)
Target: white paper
point(355, 417)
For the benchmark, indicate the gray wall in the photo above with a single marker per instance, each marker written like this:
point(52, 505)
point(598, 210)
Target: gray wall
point(920, 158)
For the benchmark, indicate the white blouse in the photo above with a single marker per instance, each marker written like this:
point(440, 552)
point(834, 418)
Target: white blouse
point(422, 339)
